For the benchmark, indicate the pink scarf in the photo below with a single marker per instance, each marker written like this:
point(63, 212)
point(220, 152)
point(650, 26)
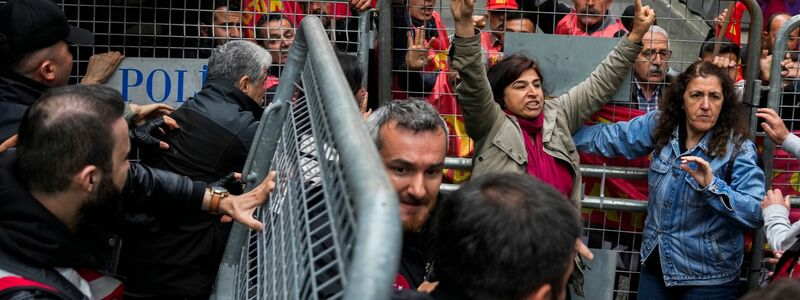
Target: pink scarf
point(541, 165)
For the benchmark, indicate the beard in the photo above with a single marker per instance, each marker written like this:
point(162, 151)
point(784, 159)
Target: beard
point(103, 205)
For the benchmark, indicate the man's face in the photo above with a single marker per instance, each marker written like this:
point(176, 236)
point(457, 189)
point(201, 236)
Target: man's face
point(590, 12)
point(256, 90)
point(280, 36)
point(421, 10)
point(63, 60)
point(776, 24)
point(520, 25)
point(497, 20)
point(103, 202)
point(227, 25)
point(321, 9)
point(653, 62)
point(414, 162)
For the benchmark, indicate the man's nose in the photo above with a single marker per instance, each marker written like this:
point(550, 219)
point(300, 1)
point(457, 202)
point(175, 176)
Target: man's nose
point(416, 187)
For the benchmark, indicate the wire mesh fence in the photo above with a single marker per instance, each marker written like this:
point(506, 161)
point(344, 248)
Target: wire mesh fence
point(332, 211)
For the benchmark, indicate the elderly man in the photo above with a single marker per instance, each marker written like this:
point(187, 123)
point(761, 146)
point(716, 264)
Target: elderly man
point(651, 70)
point(411, 138)
point(176, 255)
point(590, 18)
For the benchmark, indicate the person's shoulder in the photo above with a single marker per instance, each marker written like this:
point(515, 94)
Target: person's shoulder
point(411, 295)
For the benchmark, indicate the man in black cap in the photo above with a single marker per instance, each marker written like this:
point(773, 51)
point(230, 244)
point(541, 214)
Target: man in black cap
point(35, 56)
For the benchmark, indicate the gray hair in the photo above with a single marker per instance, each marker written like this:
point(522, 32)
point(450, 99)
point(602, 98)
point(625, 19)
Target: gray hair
point(658, 29)
point(412, 114)
point(236, 59)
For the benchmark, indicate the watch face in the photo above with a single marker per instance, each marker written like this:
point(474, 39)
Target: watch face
point(219, 190)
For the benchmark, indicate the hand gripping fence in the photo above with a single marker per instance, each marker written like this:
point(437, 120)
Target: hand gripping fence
point(332, 229)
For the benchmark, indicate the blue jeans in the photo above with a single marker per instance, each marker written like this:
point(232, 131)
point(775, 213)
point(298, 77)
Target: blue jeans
point(652, 287)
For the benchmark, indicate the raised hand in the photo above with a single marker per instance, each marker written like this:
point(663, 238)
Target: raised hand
point(703, 174)
point(418, 54)
point(642, 20)
point(773, 125)
point(462, 15)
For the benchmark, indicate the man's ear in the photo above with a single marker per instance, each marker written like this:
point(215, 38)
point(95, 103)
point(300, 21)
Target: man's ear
point(87, 178)
point(542, 293)
point(47, 70)
point(244, 83)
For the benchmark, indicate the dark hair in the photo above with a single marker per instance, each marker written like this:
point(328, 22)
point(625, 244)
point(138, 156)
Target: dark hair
point(264, 20)
point(502, 236)
point(207, 15)
point(731, 119)
point(772, 19)
point(506, 71)
point(67, 129)
point(517, 15)
point(352, 70)
point(725, 47)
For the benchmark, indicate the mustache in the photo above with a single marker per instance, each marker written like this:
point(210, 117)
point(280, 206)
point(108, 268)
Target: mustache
point(656, 69)
point(414, 201)
point(589, 11)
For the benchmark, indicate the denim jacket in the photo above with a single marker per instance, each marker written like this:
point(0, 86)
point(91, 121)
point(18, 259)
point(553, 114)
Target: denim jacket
point(699, 231)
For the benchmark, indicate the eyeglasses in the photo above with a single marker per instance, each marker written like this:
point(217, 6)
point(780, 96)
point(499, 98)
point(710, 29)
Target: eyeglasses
point(651, 53)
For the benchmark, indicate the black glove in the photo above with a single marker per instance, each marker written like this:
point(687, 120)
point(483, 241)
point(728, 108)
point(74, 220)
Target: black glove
point(230, 183)
point(143, 135)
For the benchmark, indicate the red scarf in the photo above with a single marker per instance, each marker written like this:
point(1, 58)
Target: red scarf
point(540, 164)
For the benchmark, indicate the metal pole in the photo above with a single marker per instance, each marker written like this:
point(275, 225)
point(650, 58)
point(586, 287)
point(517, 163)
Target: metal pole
point(376, 253)
point(773, 101)
point(754, 46)
point(385, 53)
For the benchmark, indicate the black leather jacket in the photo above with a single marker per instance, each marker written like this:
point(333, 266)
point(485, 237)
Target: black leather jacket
point(17, 93)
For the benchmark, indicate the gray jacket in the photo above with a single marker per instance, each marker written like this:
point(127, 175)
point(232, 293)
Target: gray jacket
point(780, 233)
point(499, 145)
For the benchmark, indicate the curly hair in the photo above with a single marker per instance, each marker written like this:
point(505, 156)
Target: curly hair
point(731, 116)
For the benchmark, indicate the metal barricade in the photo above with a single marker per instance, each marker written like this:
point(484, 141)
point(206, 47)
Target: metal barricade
point(331, 225)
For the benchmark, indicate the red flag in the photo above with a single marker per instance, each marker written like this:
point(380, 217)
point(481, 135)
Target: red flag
point(733, 32)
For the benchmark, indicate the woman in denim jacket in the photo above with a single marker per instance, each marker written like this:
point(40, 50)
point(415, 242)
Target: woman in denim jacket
point(704, 185)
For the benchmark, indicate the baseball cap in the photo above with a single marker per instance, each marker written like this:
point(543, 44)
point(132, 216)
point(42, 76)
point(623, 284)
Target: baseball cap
point(30, 25)
point(501, 4)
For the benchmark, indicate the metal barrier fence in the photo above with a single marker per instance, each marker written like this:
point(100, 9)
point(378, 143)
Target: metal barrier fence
point(332, 230)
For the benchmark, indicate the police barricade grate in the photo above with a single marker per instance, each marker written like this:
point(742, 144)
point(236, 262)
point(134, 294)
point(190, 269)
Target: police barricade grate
point(309, 222)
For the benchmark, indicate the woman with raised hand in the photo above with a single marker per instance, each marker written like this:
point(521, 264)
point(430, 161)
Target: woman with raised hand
point(514, 128)
point(704, 185)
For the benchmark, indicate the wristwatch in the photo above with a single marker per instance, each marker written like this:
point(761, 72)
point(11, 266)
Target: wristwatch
point(217, 194)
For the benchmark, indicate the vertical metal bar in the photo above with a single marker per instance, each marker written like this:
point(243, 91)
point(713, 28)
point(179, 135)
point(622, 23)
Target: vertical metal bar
point(773, 101)
point(754, 46)
point(385, 53)
point(376, 253)
point(753, 56)
point(364, 44)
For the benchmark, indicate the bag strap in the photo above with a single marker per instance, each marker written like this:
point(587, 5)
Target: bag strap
point(48, 276)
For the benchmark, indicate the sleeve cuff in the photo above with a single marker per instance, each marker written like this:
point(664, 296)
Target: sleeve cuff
point(775, 210)
point(792, 144)
point(198, 191)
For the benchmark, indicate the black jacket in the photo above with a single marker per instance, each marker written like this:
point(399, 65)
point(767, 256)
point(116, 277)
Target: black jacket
point(17, 93)
point(176, 253)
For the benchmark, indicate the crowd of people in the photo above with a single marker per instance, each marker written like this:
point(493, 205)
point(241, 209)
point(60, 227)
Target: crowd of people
point(80, 220)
